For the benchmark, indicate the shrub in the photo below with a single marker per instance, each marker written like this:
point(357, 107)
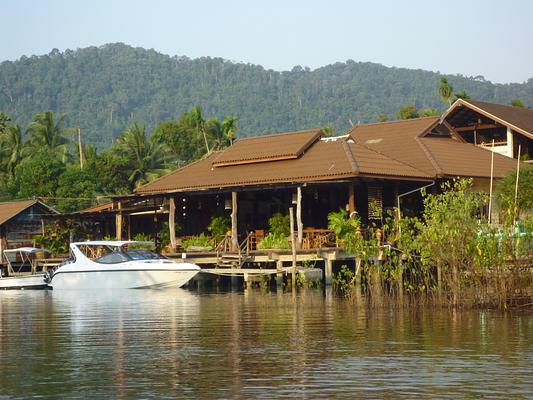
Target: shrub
point(274, 241)
point(218, 227)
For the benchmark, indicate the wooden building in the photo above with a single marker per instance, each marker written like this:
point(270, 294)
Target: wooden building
point(368, 171)
point(481, 123)
point(20, 221)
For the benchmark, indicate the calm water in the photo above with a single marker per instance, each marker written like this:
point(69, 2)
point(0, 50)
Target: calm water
point(175, 343)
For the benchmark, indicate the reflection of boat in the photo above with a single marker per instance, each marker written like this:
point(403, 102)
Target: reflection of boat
point(118, 265)
point(16, 278)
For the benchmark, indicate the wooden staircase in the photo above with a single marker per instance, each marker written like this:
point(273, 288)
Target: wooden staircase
point(233, 259)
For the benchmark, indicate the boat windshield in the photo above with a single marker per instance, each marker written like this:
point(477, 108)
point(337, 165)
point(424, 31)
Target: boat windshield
point(114, 255)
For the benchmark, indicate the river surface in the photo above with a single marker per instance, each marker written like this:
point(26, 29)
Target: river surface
point(254, 344)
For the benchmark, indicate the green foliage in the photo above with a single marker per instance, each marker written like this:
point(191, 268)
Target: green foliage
point(164, 234)
point(274, 241)
point(147, 158)
point(408, 111)
point(37, 176)
point(56, 239)
point(279, 225)
point(445, 91)
point(198, 241)
point(517, 103)
point(461, 95)
point(342, 225)
point(218, 227)
point(343, 281)
point(505, 190)
point(77, 184)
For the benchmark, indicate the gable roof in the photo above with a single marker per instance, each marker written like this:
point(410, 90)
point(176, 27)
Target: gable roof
point(397, 139)
point(519, 119)
point(10, 209)
point(437, 156)
point(263, 148)
point(323, 160)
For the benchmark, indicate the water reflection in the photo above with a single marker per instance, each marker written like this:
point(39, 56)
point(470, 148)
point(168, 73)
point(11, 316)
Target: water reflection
point(254, 344)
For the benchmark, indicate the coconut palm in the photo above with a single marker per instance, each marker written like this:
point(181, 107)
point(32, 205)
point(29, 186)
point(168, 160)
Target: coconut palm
point(221, 134)
point(200, 124)
point(47, 131)
point(13, 148)
point(148, 157)
point(446, 91)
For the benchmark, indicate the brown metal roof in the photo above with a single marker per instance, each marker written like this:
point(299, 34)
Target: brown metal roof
point(436, 156)
point(520, 119)
point(274, 147)
point(396, 139)
point(465, 159)
point(323, 160)
point(98, 208)
point(10, 209)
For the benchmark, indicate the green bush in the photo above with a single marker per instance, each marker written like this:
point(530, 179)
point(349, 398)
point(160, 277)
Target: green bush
point(274, 241)
point(198, 241)
point(279, 225)
point(218, 227)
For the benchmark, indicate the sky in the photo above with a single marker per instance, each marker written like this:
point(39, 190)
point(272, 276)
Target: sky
point(469, 37)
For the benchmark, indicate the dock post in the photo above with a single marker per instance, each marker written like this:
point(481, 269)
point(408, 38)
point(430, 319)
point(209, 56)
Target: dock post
point(245, 276)
point(328, 271)
point(279, 274)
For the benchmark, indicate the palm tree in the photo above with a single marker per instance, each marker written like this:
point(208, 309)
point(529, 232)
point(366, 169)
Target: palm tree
point(48, 132)
point(221, 134)
point(148, 157)
point(461, 95)
point(200, 124)
point(446, 91)
point(229, 127)
point(13, 148)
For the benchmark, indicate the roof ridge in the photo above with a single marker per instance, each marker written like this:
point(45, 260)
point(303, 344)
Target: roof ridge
point(428, 154)
point(350, 156)
point(279, 134)
point(395, 121)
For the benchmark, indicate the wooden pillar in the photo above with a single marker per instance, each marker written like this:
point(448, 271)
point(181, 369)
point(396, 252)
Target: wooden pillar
point(299, 222)
point(172, 221)
point(118, 221)
point(234, 232)
point(293, 247)
point(2, 244)
point(351, 198)
point(328, 271)
point(279, 274)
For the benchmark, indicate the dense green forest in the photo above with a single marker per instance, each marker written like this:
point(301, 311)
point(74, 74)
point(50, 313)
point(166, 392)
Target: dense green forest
point(104, 90)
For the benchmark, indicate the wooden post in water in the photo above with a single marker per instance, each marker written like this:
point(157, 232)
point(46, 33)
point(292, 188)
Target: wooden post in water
point(172, 221)
point(279, 274)
point(328, 270)
point(299, 222)
point(234, 232)
point(118, 221)
point(293, 247)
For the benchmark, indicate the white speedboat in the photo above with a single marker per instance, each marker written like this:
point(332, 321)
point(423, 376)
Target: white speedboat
point(118, 265)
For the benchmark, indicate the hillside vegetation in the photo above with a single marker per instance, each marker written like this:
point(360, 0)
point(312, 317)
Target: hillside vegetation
point(104, 90)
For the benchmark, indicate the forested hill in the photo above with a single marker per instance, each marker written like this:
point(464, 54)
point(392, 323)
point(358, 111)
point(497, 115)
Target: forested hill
point(105, 89)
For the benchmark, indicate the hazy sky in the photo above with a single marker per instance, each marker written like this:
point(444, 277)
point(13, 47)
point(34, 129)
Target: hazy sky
point(489, 38)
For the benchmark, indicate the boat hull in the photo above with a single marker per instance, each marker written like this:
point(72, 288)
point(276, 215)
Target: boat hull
point(23, 282)
point(122, 278)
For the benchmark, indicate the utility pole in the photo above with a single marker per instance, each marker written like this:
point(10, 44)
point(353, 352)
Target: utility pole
point(80, 147)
